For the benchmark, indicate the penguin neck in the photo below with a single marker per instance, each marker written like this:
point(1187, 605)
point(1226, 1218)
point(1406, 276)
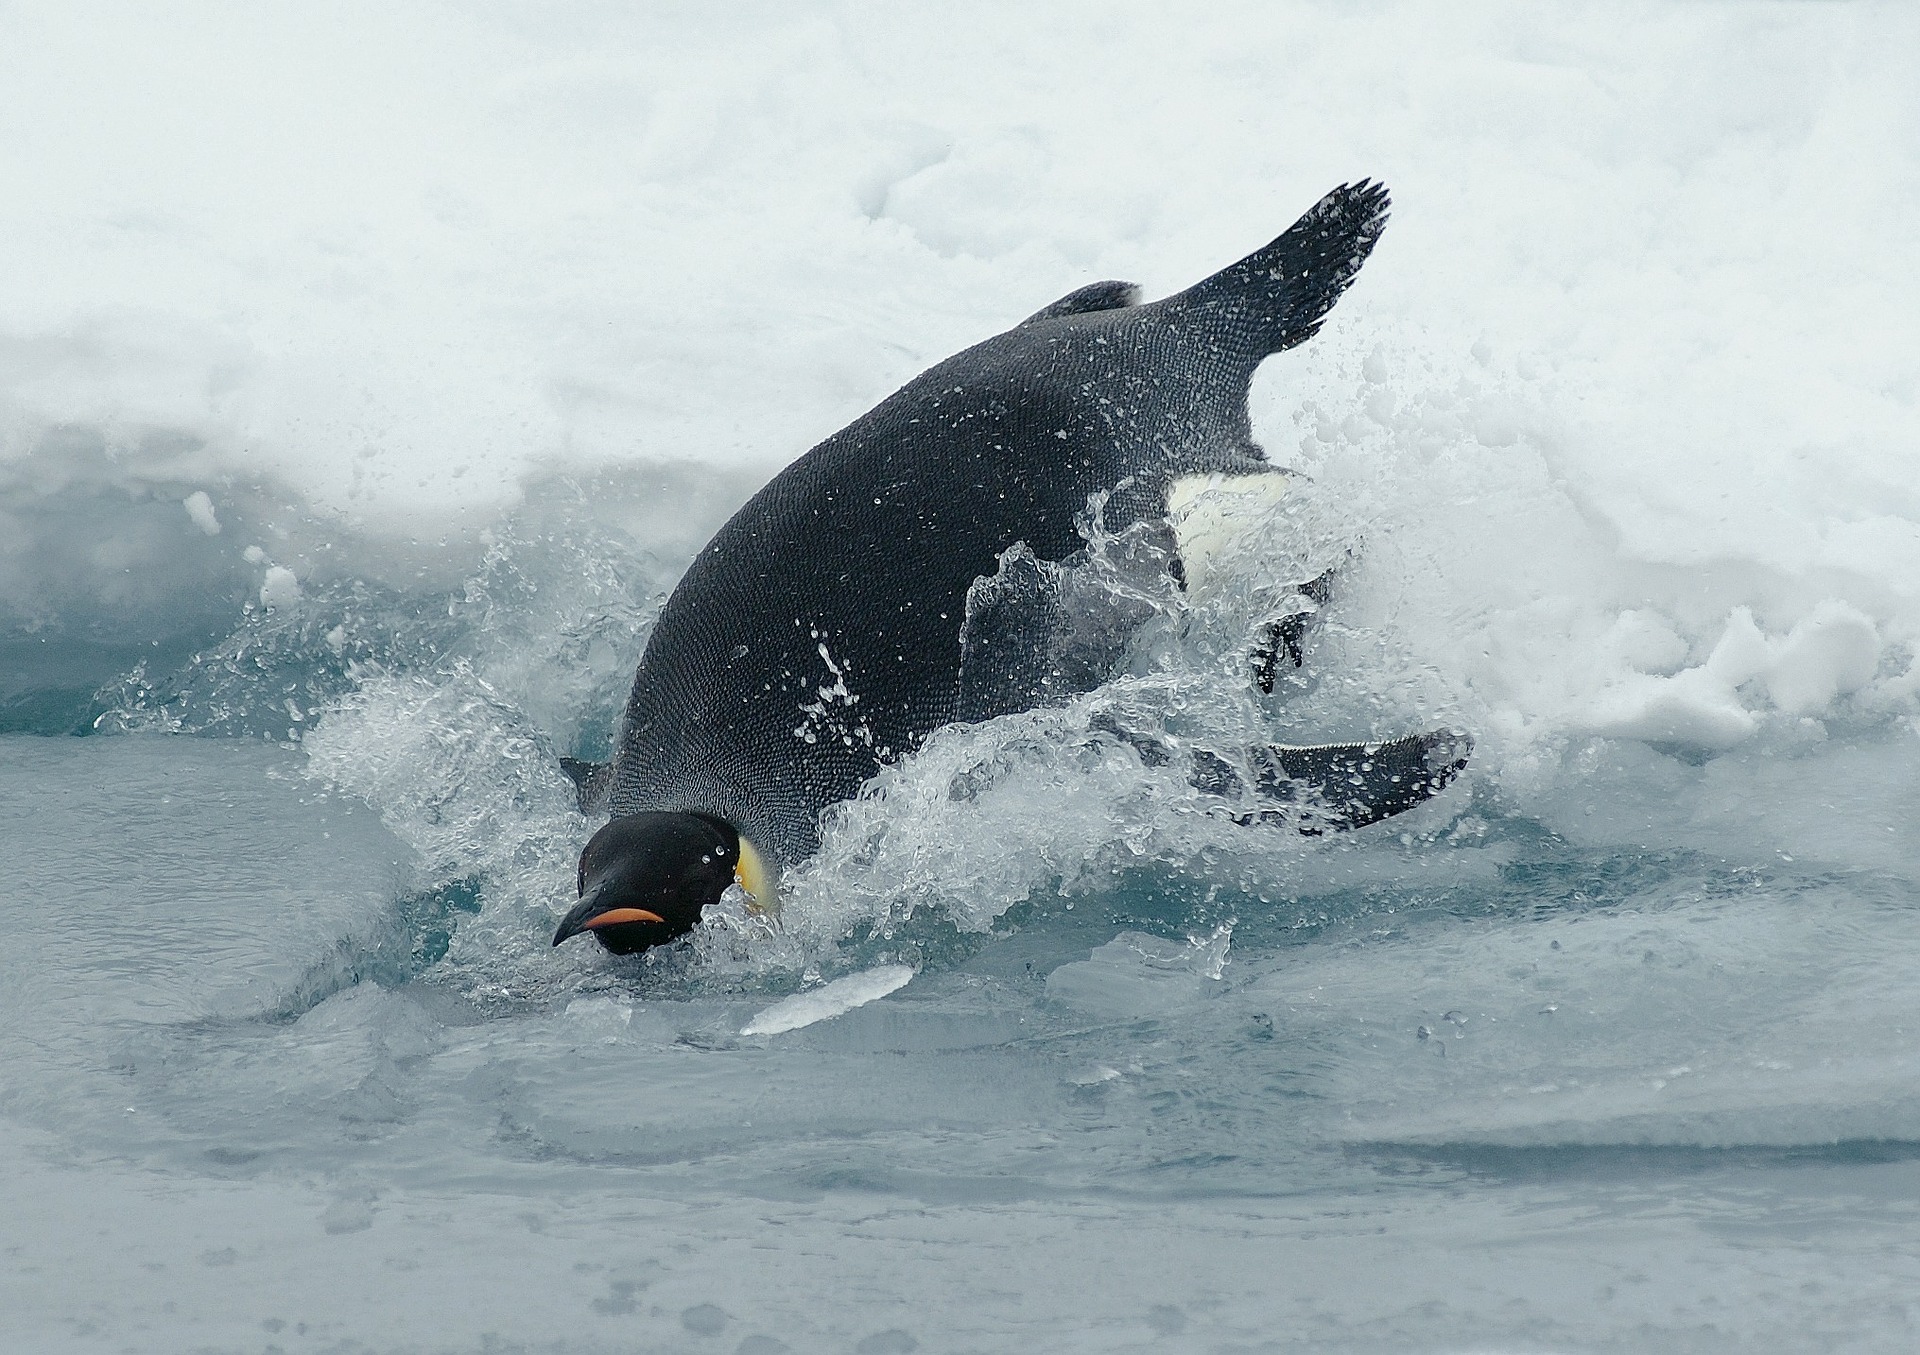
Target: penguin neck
point(753, 870)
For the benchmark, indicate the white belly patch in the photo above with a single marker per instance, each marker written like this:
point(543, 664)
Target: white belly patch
point(1212, 515)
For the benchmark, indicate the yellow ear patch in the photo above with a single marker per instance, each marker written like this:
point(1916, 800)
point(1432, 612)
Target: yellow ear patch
point(762, 884)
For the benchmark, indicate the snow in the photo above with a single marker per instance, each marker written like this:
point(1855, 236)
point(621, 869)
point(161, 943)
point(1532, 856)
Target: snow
point(367, 375)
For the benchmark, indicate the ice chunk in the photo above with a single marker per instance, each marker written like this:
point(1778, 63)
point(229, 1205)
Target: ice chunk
point(1831, 652)
point(824, 1003)
point(1695, 708)
point(1646, 642)
point(280, 588)
point(200, 508)
point(1743, 652)
point(1138, 975)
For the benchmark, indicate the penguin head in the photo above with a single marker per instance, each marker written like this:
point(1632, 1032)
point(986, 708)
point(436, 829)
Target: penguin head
point(645, 878)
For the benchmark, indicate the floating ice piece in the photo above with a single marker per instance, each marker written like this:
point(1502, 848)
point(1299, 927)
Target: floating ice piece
point(280, 588)
point(199, 506)
point(824, 1003)
point(1137, 975)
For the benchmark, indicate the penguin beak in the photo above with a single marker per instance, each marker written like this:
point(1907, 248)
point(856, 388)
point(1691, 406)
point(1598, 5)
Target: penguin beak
point(613, 915)
point(592, 913)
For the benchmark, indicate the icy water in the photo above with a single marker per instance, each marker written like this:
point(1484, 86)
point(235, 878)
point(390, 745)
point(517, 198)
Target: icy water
point(368, 376)
point(1045, 1055)
point(1526, 1095)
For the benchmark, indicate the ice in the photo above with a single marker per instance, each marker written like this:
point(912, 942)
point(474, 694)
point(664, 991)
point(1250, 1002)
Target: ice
point(199, 506)
point(367, 377)
point(1136, 974)
point(280, 588)
point(829, 1000)
point(1696, 708)
point(1833, 651)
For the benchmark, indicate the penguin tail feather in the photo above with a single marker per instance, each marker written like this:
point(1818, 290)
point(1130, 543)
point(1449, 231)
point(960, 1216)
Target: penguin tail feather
point(1277, 296)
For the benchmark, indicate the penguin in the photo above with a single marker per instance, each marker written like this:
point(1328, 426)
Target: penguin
point(918, 568)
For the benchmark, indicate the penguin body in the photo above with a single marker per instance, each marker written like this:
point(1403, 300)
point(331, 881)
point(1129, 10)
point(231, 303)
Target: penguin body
point(820, 633)
point(914, 570)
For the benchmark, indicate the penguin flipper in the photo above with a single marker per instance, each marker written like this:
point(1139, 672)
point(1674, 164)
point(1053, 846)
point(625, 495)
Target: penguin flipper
point(591, 782)
point(1277, 296)
point(1004, 638)
point(1098, 296)
point(1038, 632)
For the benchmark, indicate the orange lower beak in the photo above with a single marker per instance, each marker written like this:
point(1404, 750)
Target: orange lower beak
point(614, 916)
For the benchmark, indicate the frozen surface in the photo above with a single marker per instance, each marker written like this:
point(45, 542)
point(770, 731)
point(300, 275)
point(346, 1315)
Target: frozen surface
point(368, 375)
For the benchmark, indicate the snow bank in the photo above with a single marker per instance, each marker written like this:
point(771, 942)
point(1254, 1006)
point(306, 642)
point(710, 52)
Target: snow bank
point(1621, 415)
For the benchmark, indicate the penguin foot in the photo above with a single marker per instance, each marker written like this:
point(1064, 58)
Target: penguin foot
point(1284, 644)
point(591, 781)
